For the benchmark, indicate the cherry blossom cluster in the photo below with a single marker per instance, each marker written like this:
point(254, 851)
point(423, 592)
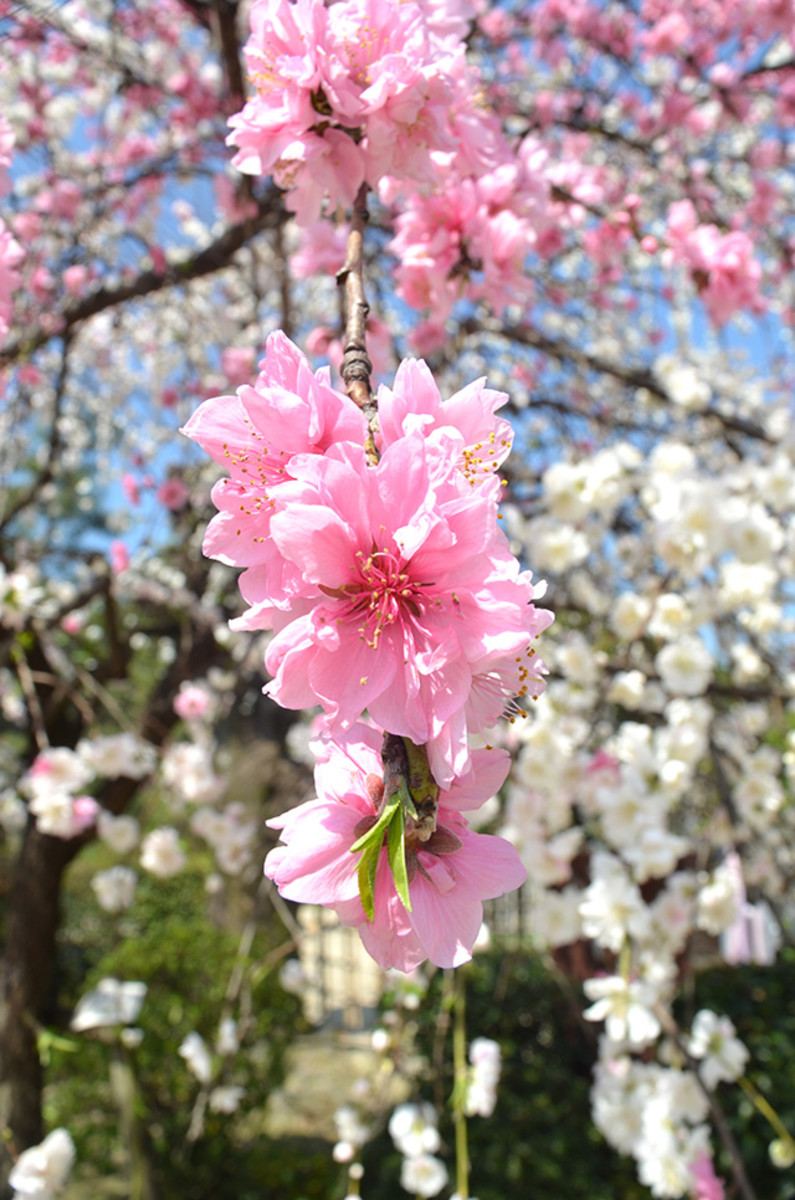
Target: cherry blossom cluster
point(722, 265)
point(56, 782)
point(354, 92)
point(390, 590)
point(11, 253)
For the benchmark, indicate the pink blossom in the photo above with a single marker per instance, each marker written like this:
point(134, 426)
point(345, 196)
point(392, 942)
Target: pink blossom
point(390, 588)
point(668, 35)
point(11, 256)
point(131, 487)
point(412, 604)
point(63, 200)
point(311, 167)
point(119, 557)
point(191, 702)
point(723, 266)
point(282, 58)
point(449, 875)
point(173, 494)
point(237, 363)
point(321, 250)
point(288, 411)
point(75, 279)
point(708, 1185)
point(6, 149)
point(734, 276)
point(428, 336)
point(450, 20)
point(84, 814)
point(414, 403)
point(353, 92)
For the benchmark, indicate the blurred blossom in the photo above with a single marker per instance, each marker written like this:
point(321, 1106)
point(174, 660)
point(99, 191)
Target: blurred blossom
point(118, 755)
point(161, 853)
point(112, 1002)
point(412, 1128)
point(292, 976)
point(173, 494)
point(712, 1040)
point(423, 1175)
point(191, 702)
point(226, 1041)
point(42, 1171)
point(484, 1075)
point(119, 557)
point(115, 888)
point(197, 1057)
point(119, 834)
point(225, 1099)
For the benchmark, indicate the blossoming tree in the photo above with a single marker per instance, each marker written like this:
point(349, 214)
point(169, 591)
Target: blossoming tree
point(576, 213)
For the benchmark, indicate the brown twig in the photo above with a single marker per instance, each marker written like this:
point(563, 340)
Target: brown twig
point(24, 675)
point(214, 257)
point(356, 366)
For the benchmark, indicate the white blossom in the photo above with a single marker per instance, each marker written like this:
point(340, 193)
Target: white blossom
point(161, 853)
point(712, 1040)
point(115, 888)
point(197, 1057)
point(423, 1175)
point(412, 1128)
point(41, 1172)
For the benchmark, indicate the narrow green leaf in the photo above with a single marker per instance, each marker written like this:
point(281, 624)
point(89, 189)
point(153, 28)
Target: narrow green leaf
point(376, 834)
point(368, 867)
point(396, 854)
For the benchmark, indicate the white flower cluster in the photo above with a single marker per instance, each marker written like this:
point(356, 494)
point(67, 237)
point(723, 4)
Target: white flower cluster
point(657, 1114)
point(412, 1128)
point(614, 842)
point(231, 837)
point(484, 1075)
point(56, 780)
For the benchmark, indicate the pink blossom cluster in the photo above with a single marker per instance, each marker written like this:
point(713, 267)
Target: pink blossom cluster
point(390, 589)
point(354, 92)
point(722, 265)
point(11, 253)
point(472, 236)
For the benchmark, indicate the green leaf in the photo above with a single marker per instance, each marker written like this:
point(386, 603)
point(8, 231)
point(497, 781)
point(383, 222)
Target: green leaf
point(370, 844)
point(396, 854)
point(368, 867)
point(376, 834)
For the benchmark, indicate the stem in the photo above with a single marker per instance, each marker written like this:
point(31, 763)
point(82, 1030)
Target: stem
point(765, 1108)
point(356, 365)
point(460, 1074)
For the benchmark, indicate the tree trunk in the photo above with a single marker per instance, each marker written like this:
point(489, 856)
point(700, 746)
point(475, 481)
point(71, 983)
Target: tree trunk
point(25, 979)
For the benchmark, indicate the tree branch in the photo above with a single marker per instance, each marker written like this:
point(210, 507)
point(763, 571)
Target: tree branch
point(213, 258)
point(356, 365)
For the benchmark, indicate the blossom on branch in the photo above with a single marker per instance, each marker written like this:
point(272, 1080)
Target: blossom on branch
point(450, 874)
point(391, 588)
point(355, 92)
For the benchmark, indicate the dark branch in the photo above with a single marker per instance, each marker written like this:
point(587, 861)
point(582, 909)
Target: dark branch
point(213, 258)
